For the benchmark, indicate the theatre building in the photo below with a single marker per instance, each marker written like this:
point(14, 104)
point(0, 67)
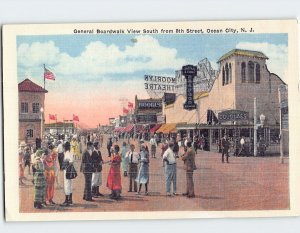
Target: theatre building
point(31, 104)
point(243, 85)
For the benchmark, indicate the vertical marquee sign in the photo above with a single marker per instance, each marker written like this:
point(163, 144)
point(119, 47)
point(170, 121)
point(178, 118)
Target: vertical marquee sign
point(189, 71)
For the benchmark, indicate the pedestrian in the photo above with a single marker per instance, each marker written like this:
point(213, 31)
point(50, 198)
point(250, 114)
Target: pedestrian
point(124, 164)
point(26, 158)
point(195, 144)
point(109, 145)
point(38, 142)
point(75, 150)
point(153, 144)
point(49, 165)
point(39, 180)
point(114, 175)
point(176, 147)
point(21, 166)
point(68, 183)
point(169, 159)
point(242, 146)
point(133, 159)
point(225, 148)
point(97, 175)
point(143, 173)
point(56, 168)
point(60, 151)
point(87, 168)
point(189, 167)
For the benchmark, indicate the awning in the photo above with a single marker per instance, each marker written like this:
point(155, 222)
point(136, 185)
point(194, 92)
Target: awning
point(167, 128)
point(155, 128)
point(119, 129)
point(139, 128)
point(128, 128)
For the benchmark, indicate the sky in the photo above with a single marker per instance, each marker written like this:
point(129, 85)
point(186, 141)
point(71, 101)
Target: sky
point(93, 72)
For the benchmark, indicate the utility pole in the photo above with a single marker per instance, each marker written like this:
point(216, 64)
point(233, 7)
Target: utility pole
point(255, 129)
point(280, 126)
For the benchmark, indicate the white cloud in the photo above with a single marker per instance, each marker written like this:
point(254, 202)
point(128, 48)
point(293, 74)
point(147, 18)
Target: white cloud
point(38, 53)
point(277, 54)
point(98, 58)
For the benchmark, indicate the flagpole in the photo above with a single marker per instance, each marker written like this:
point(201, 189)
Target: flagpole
point(44, 78)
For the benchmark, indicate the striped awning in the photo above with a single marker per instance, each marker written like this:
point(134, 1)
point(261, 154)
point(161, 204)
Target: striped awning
point(167, 128)
point(155, 128)
point(128, 128)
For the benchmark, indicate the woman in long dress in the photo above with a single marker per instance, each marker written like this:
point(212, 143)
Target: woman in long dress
point(114, 175)
point(39, 180)
point(68, 183)
point(49, 164)
point(143, 173)
point(124, 163)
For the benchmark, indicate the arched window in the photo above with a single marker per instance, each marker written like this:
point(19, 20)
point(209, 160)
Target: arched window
point(250, 72)
point(226, 73)
point(243, 72)
point(223, 76)
point(257, 73)
point(230, 73)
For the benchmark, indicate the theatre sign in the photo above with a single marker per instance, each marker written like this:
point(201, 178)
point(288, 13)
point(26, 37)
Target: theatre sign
point(156, 86)
point(233, 115)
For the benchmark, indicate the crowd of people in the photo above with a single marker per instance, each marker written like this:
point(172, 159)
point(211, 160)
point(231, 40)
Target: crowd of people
point(47, 159)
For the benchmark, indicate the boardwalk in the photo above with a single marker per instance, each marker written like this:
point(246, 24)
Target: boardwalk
point(246, 183)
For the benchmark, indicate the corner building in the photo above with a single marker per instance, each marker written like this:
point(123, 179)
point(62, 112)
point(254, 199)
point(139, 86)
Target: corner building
point(243, 75)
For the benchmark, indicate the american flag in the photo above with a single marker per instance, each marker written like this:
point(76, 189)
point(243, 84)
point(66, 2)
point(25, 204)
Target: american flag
point(48, 74)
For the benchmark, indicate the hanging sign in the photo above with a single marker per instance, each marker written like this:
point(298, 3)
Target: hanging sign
point(189, 71)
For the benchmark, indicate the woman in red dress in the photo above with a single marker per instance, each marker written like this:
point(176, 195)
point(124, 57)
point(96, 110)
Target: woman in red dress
point(49, 164)
point(114, 175)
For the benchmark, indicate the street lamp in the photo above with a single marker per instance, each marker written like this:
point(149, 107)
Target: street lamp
point(262, 119)
point(42, 120)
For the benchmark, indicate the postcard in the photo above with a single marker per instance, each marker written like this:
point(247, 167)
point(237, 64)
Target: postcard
point(152, 120)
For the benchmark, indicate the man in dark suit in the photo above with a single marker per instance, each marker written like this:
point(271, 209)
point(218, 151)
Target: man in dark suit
point(38, 142)
point(225, 148)
point(87, 167)
point(96, 176)
point(189, 167)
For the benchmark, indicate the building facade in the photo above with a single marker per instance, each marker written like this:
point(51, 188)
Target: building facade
point(31, 114)
point(243, 76)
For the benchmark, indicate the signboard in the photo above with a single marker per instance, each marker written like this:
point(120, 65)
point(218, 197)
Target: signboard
point(149, 104)
point(161, 119)
point(156, 86)
point(189, 71)
point(169, 98)
point(233, 115)
point(111, 120)
point(149, 118)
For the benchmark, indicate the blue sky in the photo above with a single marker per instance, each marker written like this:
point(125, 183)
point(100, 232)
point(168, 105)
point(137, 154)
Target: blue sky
point(194, 46)
point(114, 66)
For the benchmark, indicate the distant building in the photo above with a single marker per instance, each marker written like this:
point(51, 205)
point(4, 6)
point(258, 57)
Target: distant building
point(31, 100)
point(57, 128)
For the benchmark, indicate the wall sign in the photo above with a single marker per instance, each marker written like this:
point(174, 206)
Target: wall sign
point(149, 118)
point(150, 104)
point(189, 71)
point(233, 115)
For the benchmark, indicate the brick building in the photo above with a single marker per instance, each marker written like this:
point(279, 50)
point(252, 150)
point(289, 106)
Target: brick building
point(243, 76)
point(31, 100)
